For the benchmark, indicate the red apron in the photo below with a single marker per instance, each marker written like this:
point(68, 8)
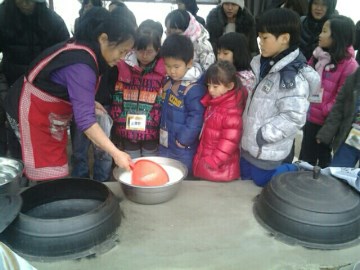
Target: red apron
point(43, 124)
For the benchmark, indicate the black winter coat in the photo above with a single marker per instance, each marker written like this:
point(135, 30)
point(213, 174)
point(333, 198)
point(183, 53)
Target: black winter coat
point(311, 28)
point(23, 38)
point(339, 122)
point(245, 23)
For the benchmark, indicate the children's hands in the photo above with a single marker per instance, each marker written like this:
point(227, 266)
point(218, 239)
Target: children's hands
point(179, 144)
point(210, 162)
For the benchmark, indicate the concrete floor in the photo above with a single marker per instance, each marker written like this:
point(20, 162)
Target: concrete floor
point(206, 226)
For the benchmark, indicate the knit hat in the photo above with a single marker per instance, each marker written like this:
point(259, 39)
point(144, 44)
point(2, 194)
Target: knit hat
point(240, 3)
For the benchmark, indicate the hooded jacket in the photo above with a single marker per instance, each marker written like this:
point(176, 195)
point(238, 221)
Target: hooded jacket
point(311, 28)
point(245, 23)
point(276, 108)
point(218, 155)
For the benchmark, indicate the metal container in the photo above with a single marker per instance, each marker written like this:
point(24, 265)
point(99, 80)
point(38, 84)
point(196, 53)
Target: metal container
point(156, 194)
point(11, 171)
point(312, 210)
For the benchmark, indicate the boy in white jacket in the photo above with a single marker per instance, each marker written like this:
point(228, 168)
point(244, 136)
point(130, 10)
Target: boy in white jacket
point(276, 109)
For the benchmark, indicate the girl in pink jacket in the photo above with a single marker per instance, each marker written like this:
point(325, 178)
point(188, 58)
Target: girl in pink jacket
point(334, 60)
point(218, 155)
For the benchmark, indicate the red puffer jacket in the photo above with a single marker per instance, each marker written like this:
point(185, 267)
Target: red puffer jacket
point(331, 81)
point(217, 157)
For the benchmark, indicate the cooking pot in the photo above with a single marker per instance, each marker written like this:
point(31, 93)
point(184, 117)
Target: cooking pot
point(310, 209)
point(11, 171)
point(176, 170)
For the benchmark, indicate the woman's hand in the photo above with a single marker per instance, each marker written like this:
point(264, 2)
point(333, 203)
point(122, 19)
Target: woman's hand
point(122, 159)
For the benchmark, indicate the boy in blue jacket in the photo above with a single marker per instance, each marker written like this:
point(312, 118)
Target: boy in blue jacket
point(182, 111)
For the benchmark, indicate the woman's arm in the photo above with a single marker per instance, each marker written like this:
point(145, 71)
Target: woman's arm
point(97, 136)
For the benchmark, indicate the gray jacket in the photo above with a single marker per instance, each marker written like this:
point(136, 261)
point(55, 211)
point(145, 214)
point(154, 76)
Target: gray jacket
point(276, 110)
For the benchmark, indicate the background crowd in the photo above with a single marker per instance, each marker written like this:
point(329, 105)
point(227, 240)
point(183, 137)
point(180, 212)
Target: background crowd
point(225, 94)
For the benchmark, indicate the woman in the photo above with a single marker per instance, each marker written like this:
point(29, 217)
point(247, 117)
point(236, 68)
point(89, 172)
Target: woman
point(37, 27)
point(61, 82)
point(311, 25)
point(231, 16)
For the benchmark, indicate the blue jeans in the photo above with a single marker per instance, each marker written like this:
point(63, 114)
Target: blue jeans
point(262, 177)
point(80, 161)
point(346, 156)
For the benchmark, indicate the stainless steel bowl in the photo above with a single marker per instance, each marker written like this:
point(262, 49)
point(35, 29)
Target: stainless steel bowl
point(153, 195)
point(11, 171)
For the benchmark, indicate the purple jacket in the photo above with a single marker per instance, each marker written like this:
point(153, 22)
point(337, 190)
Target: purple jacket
point(331, 82)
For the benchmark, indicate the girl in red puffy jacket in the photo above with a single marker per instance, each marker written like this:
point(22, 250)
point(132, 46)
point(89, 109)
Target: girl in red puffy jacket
point(217, 157)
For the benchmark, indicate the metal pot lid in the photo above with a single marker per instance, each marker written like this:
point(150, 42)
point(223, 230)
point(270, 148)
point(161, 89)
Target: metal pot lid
point(314, 192)
point(10, 206)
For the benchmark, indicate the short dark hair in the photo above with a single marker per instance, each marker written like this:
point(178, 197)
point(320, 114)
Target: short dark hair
point(190, 5)
point(222, 72)
point(280, 21)
point(178, 19)
point(97, 21)
point(148, 34)
point(179, 47)
point(238, 44)
point(343, 35)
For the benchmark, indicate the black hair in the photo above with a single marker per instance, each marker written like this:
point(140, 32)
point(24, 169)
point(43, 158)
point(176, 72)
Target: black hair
point(299, 6)
point(178, 19)
point(190, 5)
point(238, 44)
point(95, 3)
point(148, 34)
point(122, 11)
point(280, 21)
point(178, 47)
point(343, 35)
point(330, 4)
point(222, 72)
point(97, 21)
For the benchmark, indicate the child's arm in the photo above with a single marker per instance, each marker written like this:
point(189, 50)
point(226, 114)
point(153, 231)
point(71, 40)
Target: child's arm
point(229, 141)
point(195, 113)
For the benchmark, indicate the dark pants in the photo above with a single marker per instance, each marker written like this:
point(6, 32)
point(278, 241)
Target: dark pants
point(311, 151)
point(140, 148)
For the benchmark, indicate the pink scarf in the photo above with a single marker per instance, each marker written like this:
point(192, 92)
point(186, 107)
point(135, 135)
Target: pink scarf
point(324, 59)
point(194, 29)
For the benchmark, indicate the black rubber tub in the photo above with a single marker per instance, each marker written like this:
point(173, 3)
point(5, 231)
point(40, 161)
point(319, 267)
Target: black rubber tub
point(65, 219)
point(312, 210)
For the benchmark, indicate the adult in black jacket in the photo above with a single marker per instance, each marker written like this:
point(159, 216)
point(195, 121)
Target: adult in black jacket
point(231, 16)
point(311, 25)
point(26, 29)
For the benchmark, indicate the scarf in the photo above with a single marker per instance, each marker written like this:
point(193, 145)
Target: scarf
point(194, 29)
point(323, 60)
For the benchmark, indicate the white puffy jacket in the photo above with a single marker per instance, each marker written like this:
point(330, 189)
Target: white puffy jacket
point(277, 106)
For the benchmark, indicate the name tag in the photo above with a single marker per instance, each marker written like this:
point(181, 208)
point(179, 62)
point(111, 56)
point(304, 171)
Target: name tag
point(164, 138)
point(136, 122)
point(317, 97)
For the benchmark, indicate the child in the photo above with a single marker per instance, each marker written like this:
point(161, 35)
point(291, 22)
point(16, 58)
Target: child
point(233, 47)
point(136, 102)
point(182, 111)
point(276, 108)
point(342, 124)
point(218, 155)
point(182, 22)
point(334, 60)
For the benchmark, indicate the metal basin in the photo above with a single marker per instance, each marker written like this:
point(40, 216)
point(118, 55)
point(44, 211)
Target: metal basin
point(176, 170)
point(11, 171)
